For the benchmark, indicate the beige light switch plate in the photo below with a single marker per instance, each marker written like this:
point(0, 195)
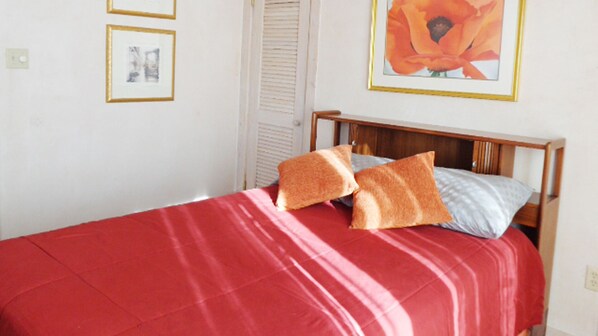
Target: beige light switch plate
point(17, 58)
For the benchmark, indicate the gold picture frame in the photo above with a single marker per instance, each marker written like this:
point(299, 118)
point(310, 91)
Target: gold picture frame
point(402, 50)
point(162, 9)
point(140, 64)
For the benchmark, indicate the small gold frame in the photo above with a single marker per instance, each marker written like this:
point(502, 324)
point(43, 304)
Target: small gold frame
point(507, 96)
point(167, 87)
point(113, 10)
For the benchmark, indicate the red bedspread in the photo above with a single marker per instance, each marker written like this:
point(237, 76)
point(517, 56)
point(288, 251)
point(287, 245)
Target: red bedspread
point(235, 265)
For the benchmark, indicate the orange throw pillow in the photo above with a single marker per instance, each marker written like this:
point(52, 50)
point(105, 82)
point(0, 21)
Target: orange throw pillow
point(315, 177)
point(399, 194)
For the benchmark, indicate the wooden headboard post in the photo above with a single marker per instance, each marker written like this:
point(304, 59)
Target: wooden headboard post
point(314, 128)
point(480, 152)
point(549, 206)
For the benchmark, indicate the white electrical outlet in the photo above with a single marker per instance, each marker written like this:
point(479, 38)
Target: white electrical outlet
point(592, 278)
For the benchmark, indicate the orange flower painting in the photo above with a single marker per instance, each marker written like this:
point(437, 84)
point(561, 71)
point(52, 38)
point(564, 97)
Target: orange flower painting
point(444, 38)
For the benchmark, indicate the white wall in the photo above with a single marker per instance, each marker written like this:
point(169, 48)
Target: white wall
point(559, 82)
point(67, 157)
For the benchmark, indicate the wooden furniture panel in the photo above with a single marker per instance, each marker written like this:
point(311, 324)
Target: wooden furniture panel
point(395, 144)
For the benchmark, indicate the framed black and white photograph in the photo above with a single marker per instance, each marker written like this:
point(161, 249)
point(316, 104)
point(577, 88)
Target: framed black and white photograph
point(164, 9)
point(140, 64)
point(144, 64)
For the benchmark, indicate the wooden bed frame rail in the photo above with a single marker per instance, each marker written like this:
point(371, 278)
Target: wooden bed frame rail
point(478, 151)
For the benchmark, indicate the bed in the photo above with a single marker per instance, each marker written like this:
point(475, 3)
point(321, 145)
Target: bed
point(236, 265)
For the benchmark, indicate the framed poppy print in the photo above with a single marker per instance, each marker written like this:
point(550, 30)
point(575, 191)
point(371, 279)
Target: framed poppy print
point(459, 48)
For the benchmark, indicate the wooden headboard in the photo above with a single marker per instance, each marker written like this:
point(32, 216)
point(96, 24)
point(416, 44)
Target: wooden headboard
point(480, 152)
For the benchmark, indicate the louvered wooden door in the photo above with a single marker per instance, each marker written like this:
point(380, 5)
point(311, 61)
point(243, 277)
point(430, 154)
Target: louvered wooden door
point(279, 66)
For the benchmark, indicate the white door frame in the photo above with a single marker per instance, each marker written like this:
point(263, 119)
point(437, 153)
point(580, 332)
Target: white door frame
point(248, 117)
point(312, 70)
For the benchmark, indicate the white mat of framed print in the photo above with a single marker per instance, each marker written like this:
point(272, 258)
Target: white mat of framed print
point(165, 9)
point(447, 47)
point(139, 64)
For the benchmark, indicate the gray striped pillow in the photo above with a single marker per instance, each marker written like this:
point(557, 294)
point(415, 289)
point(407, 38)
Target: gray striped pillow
point(481, 205)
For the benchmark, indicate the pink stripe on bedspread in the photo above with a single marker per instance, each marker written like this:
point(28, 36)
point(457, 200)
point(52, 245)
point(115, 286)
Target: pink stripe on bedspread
point(235, 265)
